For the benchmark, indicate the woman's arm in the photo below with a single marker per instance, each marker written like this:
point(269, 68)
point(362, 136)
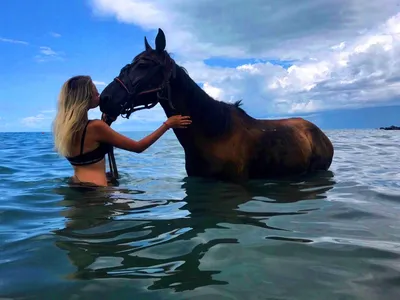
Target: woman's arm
point(105, 134)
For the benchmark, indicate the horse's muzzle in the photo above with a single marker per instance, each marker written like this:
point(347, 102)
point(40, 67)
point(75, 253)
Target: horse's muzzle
point(109, 107)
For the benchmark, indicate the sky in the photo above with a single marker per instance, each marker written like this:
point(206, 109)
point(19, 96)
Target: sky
point(333, 62)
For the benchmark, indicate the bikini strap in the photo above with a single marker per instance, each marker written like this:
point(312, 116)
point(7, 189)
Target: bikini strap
point(83, 137)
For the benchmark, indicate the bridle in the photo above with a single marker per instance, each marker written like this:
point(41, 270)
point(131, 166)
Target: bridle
point(169, 67)
point(129, 106)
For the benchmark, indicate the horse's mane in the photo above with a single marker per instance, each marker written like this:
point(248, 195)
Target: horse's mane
point(214, 115)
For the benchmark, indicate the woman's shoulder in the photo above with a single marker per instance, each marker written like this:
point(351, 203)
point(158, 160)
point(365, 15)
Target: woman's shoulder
point(97, 125)
point(100, 131)
point(96, 122)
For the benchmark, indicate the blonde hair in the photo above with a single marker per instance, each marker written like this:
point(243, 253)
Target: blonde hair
point(73, 104)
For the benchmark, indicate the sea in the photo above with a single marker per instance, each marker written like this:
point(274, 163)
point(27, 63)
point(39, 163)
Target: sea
point(162, 235)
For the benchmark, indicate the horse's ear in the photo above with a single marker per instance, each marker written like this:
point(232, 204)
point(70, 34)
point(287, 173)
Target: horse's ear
point(160, 41)
point(147, 45)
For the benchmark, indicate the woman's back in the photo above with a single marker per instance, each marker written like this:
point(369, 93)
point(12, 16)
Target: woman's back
point(88, 156)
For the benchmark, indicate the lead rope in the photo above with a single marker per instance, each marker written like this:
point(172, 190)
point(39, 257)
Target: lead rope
point(111, 157)
point(165, 84)
point(113, 164)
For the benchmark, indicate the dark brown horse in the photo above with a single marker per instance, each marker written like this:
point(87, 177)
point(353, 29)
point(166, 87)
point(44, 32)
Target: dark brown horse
point(223, 142)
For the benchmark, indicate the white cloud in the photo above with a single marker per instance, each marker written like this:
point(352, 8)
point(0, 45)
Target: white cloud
point(12, 41)
point(47, 54)
point(362, 72)
point(48, 111)
point(213, 91)
point(346, 53)
point(156, 114)
point(99, 83)
point(248, 29)
point(55, 34)
point(94, 113)
point(34, 121)
point(47, 51)
point(40, 120)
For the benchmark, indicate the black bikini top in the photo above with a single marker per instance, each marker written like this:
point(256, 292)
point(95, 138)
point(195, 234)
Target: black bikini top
point(90, 157)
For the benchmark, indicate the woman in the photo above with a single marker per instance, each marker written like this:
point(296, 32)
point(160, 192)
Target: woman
point(85, 142)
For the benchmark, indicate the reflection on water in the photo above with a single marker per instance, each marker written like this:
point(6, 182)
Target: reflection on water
point(109, 235)
point(161, 235)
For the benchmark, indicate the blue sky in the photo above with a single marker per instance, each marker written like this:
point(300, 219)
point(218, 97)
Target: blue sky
point(277, 73)
point(30, 80)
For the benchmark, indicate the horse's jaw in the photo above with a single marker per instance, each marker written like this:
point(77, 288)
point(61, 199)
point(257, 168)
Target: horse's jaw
point(185, 136)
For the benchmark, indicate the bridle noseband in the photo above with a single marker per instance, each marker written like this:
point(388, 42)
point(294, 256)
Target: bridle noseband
point(129, 106)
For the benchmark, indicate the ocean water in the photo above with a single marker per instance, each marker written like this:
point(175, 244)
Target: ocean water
point(161, 235)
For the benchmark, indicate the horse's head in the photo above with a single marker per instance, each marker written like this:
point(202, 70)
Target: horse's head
point(142, 83)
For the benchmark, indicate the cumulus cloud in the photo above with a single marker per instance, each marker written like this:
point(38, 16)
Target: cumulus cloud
point(363, 72)
point(344, 53)
point(35, 121)
point(40, 120)
point(251, 29)
point(213, 91)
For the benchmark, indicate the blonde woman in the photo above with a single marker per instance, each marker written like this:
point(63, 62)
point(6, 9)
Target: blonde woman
point(85, 142)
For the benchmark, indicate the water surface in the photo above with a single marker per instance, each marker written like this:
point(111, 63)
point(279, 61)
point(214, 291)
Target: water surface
point(161, 235)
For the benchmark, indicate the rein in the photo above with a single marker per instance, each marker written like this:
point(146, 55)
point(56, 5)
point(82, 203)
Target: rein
point(141, 93)
point(111, 157)
point(129, 106)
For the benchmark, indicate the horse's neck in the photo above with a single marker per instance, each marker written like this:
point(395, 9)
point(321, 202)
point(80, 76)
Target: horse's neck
point(186, 136)
point(181, 98)
point(210, 118)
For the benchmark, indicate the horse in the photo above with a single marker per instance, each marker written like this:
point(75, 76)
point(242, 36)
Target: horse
point(223, 142)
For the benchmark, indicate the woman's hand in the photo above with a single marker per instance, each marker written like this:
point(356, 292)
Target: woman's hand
point(178, 121)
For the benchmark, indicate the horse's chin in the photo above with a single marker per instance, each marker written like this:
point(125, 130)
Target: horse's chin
point(146, 99)
point(109, 106)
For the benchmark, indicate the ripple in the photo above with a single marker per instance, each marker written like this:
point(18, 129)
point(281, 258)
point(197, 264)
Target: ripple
point(160, 235)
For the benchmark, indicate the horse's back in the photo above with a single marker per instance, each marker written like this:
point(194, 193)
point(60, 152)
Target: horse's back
point(290, 146)
point(321, 146)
